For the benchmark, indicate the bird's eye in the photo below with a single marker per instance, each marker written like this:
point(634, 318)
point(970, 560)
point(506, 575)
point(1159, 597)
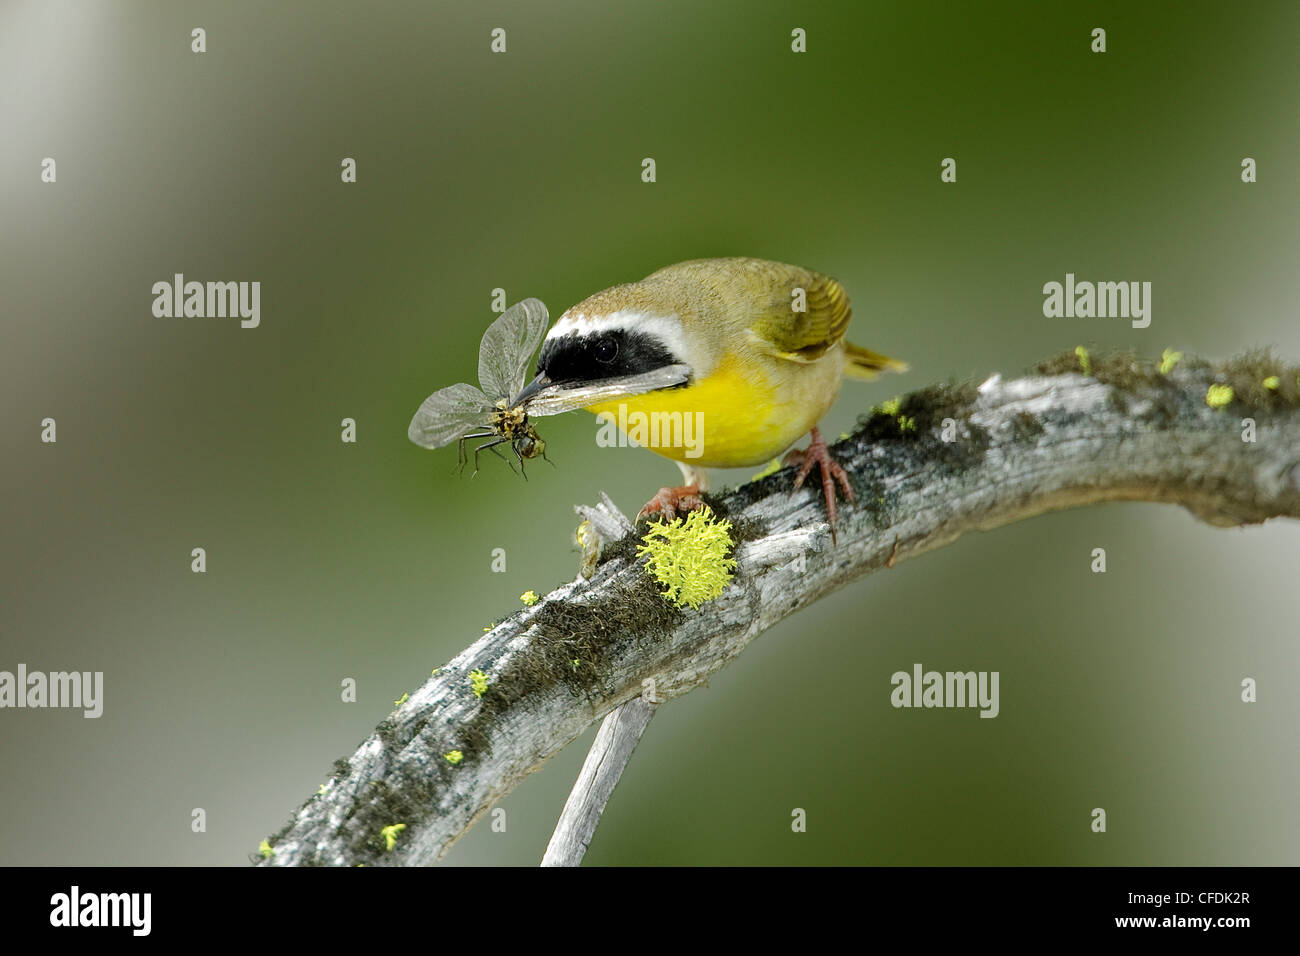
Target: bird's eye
point(606, 350)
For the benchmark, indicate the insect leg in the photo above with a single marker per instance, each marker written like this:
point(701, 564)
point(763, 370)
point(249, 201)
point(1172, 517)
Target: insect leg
point(490, 444)
point(498, 453)
point(461, 457)
point(522, 470)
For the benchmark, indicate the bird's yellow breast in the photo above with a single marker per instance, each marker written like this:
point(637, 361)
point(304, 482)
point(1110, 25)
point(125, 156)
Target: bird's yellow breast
point(745, 412)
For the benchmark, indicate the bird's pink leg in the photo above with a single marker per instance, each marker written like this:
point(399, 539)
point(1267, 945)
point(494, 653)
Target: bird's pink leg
point(669, 501)
point(818, 454)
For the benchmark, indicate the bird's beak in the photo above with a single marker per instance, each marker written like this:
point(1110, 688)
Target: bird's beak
point(541, 382)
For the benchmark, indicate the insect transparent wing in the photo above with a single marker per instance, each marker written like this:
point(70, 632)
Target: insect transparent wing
point(508, 346)
point(556, 399)
point(448, 414)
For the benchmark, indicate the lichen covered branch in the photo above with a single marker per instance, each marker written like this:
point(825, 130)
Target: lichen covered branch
point(934, 465)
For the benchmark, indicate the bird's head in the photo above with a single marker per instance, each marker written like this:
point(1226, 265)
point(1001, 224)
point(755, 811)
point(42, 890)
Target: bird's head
point(614, 337)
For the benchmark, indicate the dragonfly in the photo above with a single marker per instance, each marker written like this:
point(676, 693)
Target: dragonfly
point(500, 411)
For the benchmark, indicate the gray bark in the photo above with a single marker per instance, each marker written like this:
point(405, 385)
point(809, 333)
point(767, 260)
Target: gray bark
point(1019, 448)
point(617, 738)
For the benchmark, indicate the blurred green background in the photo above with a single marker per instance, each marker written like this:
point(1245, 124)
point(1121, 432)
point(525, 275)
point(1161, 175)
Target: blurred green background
point(522, 171)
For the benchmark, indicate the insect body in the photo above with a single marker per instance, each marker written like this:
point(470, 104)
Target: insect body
point(513, 426)
point(500, 410)
point(506, 424)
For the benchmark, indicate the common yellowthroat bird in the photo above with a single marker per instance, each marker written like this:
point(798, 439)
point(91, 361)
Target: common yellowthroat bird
point(764, 346)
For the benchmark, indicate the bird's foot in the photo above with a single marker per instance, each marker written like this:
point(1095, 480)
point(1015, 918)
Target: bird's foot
point(670, 501)
point(818, 454)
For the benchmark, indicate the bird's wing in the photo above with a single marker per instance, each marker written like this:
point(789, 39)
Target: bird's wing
point(803, 336)
point(507, 348)
point(557, 398)
point(448, 414)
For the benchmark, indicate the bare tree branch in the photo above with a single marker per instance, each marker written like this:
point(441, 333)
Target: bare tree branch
point(609, 754)
point(947, 460)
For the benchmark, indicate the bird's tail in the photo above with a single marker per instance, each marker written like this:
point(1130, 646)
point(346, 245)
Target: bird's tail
point(865, 364)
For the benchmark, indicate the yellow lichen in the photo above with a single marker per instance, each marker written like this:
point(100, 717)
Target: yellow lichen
point(1216, 396)
point(689, 557)
point(389, 833)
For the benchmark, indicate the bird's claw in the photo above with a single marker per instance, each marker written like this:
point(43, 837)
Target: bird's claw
point(669, 501)
point(832, 472)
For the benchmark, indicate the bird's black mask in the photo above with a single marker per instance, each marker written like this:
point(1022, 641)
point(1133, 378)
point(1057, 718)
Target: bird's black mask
point(601, 355)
